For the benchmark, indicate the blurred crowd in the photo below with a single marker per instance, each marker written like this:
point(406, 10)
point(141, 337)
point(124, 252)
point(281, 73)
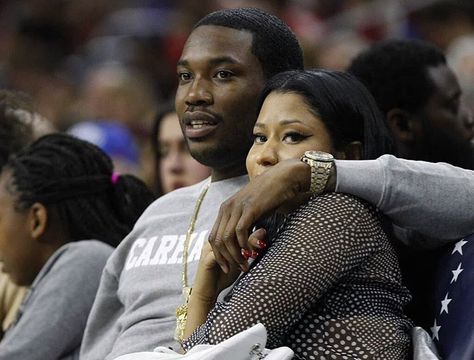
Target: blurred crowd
point(105, 69)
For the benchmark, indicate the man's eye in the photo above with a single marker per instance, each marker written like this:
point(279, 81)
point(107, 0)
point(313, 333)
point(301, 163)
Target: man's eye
point(294, 137)
point(223, 74)
point(259, 139)
point(184, 76)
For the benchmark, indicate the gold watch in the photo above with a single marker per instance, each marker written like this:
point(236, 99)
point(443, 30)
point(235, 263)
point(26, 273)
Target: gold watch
point(321, 164)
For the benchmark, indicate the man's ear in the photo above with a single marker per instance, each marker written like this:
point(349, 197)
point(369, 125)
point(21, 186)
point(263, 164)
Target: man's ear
point(38, 220)
point(401, 125)
point(352, 151)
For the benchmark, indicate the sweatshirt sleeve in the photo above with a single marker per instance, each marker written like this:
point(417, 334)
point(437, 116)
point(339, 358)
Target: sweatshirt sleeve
point(433, 199)
point(99, 337)
point(54, 313)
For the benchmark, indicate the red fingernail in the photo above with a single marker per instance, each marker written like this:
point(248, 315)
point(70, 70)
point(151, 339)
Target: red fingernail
point(261, 244)
point(246, 253)
point(254, 254)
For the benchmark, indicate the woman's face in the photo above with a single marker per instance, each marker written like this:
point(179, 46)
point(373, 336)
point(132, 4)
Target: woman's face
point(177, 167)
point(17, 250)
point(285, 129)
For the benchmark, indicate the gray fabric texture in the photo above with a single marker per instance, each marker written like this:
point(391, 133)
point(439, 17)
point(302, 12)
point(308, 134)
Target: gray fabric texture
point(434, 199)
point(53, 315)
point(141, 284)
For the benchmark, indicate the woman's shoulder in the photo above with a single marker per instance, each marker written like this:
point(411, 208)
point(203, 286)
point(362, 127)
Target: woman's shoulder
point(339, 201)
point(86, 252)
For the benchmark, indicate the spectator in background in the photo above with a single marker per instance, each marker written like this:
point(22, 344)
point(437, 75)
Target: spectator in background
point(115, 140)
point(441, 22)
point(116, 93)
point(337, 50)
point(460, 56)
point(174, 165)
point(62, 210)
point(112, 91)
point(20, 124)
point(421, 99)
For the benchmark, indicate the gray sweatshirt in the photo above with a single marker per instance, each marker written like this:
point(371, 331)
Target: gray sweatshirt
point(141, 284)
point(53, 314)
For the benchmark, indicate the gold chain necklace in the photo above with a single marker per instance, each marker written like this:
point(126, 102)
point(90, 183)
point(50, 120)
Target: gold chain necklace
point(182, 310)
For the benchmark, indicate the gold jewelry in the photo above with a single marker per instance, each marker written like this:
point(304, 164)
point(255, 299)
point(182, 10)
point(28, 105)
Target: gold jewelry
point(182, 310)
point(321, 164)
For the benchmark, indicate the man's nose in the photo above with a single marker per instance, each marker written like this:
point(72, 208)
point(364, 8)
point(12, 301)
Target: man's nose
point(199, 93)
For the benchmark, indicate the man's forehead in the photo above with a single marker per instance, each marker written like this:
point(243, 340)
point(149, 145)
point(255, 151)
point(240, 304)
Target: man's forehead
point(217, 42)
point(444, 81)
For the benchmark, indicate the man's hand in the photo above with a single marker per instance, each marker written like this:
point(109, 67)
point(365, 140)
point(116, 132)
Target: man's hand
point(283, 186)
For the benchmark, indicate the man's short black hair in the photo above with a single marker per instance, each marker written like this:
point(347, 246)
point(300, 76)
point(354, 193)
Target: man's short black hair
point(395, 72)
point(274, 44)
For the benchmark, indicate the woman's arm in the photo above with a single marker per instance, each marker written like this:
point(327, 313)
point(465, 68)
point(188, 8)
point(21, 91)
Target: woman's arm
point(210, 281)
point(321, 243)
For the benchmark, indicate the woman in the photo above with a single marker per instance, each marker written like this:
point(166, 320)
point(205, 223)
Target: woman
point(174, 165)
point(328, 285)
point(62, 210)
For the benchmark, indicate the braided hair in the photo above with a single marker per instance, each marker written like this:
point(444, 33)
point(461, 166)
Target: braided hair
point(274, 44)
point(75, 180)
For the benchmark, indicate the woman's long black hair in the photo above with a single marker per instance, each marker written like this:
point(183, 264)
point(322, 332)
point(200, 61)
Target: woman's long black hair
point(75, 179)
point(342, 103)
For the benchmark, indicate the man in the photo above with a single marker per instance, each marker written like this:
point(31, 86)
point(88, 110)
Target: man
point(223, 67)
point(421, 100)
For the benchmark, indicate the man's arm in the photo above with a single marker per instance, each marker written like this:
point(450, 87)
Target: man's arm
point(435, 200)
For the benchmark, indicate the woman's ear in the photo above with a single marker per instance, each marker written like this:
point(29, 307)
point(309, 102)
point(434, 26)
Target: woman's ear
point(352, 151)
point(38, 220)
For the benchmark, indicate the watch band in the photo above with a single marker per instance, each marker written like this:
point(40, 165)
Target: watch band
point(321, 164)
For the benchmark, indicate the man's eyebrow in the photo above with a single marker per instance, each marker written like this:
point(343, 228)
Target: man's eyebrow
point(214, 61)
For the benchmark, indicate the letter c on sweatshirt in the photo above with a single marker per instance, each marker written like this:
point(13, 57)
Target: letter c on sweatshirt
point(132, 258)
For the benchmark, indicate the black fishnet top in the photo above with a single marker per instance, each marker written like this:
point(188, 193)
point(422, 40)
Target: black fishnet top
point(329, 287)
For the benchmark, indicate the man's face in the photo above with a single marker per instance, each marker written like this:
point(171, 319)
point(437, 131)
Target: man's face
point(219, 83)
point(447, 123)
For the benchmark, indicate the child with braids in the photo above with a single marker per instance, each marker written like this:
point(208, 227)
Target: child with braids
point(62, 210)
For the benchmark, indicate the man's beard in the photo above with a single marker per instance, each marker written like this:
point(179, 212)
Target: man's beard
point(221, 155)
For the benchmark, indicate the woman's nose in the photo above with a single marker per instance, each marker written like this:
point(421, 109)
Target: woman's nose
point(268, 156)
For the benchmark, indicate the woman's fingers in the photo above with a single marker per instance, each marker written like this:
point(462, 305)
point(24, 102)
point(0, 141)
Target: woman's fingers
point(257, 240)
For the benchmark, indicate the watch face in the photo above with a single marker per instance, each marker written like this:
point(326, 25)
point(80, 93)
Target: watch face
point(319, 155)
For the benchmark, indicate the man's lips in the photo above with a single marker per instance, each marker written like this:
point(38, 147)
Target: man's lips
point(198, 124)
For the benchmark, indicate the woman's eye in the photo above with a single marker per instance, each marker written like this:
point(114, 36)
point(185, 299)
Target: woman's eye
point(223, 74)
point(259, 139)
point(294, 137)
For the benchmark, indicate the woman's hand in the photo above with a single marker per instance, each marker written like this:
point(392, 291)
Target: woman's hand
point(283, 186)
point(210, 279)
